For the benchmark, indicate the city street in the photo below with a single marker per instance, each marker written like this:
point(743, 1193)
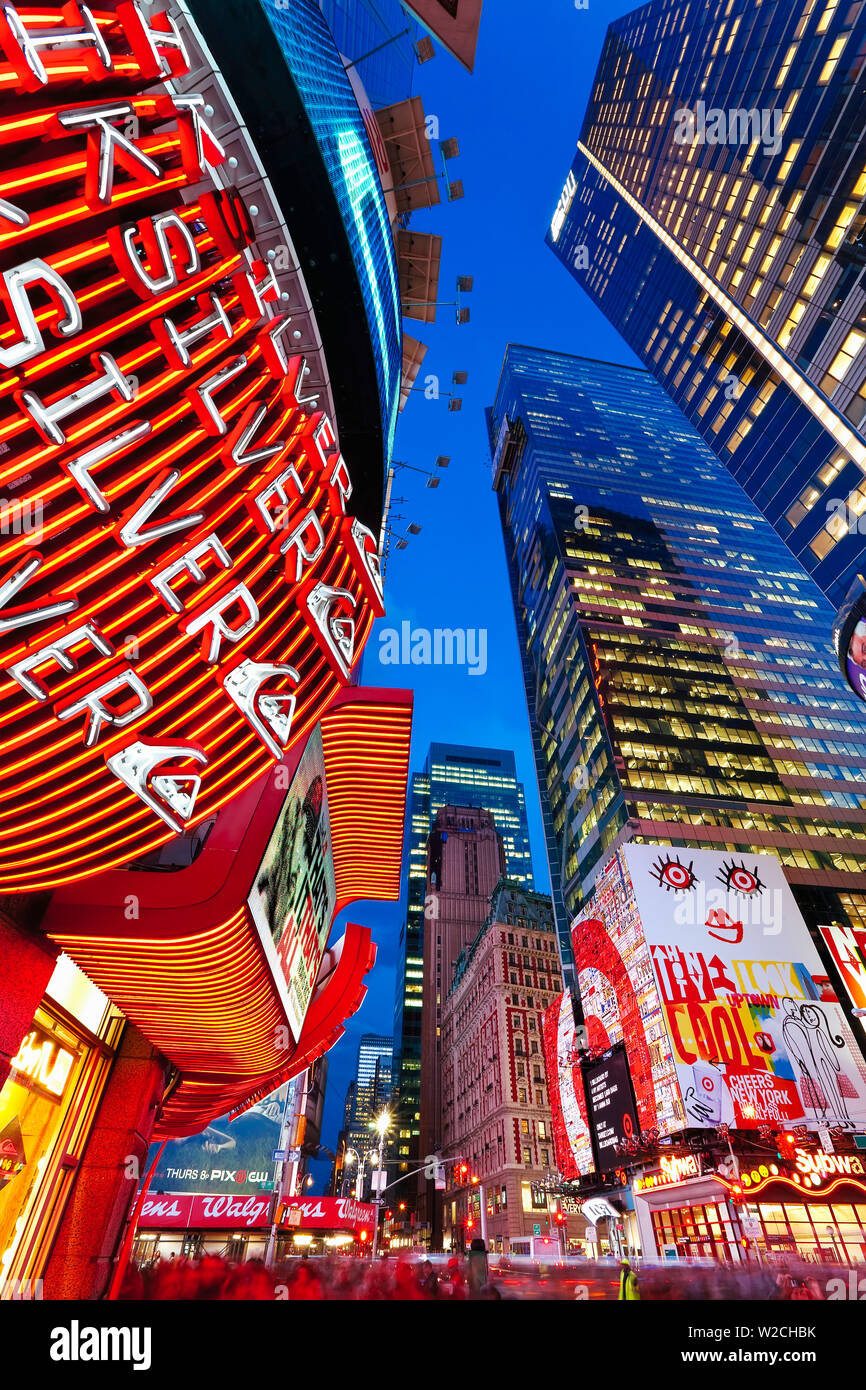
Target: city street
point(432, 680)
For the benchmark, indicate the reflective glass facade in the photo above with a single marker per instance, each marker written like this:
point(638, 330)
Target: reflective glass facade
point(320, 77)
point(683, 690)
point(715, 213)
point(454, 775)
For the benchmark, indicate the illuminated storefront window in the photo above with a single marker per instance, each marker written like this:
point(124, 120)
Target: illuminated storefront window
point(823, 1233)
point(47, 1108)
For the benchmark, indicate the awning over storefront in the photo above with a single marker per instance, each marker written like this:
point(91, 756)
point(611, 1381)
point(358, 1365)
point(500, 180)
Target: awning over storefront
point(708, 1188)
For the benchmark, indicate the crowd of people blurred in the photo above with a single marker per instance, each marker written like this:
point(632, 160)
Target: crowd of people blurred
point(415, 1278)
point(214, 1278)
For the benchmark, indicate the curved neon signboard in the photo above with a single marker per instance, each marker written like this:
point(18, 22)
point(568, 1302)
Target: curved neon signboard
point(196, 589)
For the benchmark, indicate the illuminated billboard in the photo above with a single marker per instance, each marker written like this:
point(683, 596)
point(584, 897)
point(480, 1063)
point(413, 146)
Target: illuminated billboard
point(849, 637)
point(344, 141)
point(607, 1088)
point(702, 966)
point(572, 1141)
point(188, 589)
point(293, 898)
point(229, 1156)
point(847, 947)
point(757, 1033)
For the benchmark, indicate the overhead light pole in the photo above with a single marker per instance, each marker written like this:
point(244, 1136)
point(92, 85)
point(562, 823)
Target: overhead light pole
point(383, 1122)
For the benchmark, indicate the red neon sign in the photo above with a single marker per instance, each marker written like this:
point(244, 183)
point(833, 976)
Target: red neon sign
point(192, 591)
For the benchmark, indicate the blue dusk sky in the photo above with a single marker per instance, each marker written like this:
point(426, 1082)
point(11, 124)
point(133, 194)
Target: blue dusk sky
point(517, 119)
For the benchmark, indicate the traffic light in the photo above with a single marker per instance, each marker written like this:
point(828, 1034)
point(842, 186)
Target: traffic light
point(559, 1218)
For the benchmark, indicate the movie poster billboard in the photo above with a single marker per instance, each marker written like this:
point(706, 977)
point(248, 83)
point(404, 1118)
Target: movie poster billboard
point(293, 898)
point(756, 1032)
point(229, 1157)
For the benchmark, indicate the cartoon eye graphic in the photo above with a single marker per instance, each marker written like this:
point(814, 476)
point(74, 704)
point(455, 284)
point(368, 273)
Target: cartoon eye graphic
point(738, 879)
point(674, 876)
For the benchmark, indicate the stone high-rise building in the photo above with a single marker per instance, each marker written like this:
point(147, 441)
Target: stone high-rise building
point(495, 1102)
point(465, 861)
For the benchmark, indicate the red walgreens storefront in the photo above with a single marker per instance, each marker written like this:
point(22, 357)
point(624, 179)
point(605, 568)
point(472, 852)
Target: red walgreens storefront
point(193, 1224)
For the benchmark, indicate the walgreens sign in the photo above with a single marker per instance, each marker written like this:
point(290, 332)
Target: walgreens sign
point(197, 590)
point(329, 1213)
point(191, 1211)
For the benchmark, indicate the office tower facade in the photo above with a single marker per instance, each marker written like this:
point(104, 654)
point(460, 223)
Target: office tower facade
point(453, 774)
point(367, 1094)
point(686, 690)
point(465, 861)
point(495, 1106)
point(715, 213)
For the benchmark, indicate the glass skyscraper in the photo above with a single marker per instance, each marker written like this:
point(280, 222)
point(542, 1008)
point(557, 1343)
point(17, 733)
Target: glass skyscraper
point(368, 1093)
point(715, 213)
point(453, 775)
point(683, 690)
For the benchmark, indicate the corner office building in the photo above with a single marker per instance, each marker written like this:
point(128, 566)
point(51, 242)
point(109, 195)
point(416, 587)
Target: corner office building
point(681, 684)
point(715, 213)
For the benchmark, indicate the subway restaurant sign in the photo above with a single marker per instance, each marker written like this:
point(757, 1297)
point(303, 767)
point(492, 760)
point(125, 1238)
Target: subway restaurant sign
point(187, 589)
point(678, 1168)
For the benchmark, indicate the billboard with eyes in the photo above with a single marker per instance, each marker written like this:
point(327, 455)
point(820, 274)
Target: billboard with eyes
point(701, 964)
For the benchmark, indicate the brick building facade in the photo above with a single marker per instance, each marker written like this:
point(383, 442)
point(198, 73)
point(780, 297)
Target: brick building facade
point(495, 1099)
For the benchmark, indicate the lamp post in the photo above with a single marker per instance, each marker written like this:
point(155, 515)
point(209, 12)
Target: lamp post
point(383, 1121)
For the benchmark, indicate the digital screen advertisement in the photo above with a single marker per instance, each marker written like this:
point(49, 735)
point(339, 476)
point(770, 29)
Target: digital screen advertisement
point(229, 1156)
point(700, 964)
point(609, 1099)
point(294, 895)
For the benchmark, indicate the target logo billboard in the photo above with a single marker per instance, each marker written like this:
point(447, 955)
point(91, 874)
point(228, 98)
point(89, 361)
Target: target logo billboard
point(199, 590)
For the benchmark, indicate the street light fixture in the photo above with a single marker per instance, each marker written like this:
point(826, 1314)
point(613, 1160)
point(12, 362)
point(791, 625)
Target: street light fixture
point(382, 1124)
